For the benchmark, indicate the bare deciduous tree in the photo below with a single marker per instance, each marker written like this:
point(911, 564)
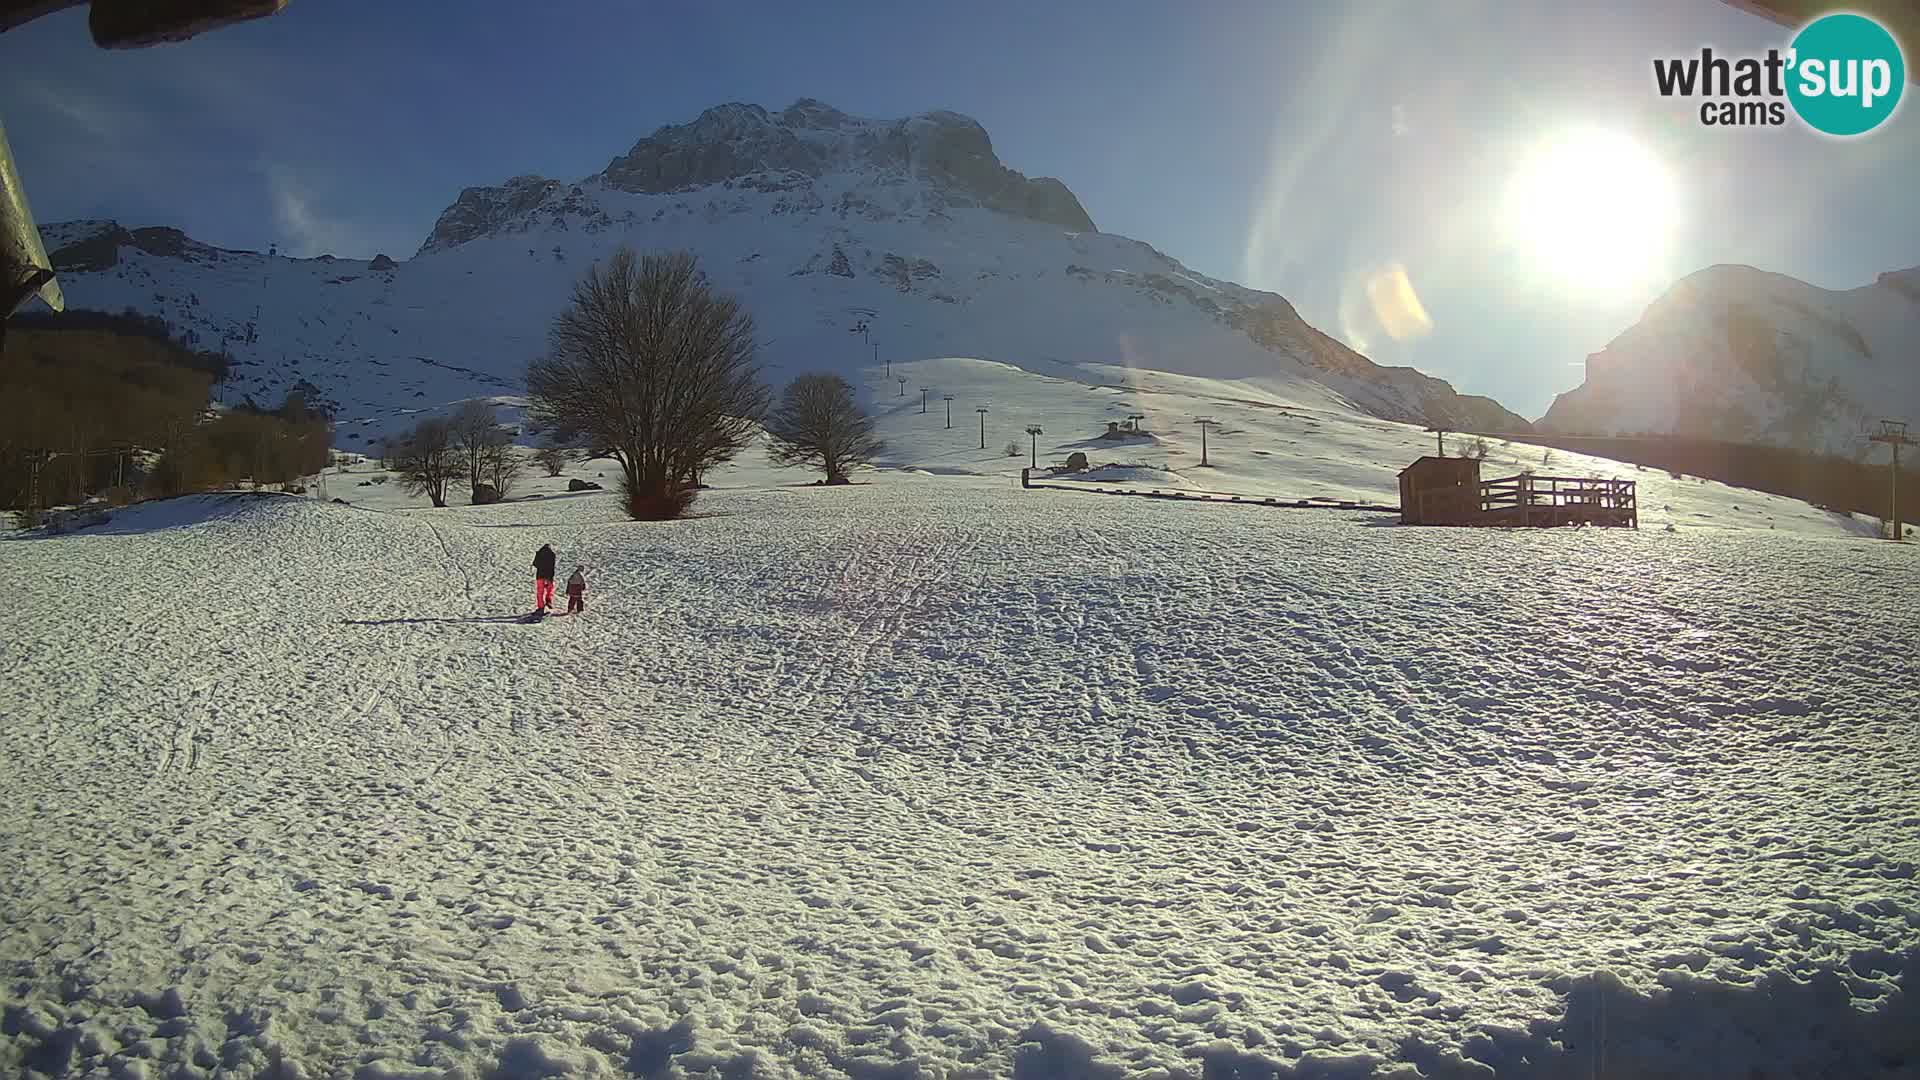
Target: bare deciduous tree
point(649, 362)
point(482, 444)
point(426, 460)
point(552, 458)
point(500, 466)
point(1478, 449)
point(820, 425)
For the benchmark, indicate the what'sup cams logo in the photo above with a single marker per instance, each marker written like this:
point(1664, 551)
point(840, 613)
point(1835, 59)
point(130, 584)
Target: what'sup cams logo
point(1843, 75)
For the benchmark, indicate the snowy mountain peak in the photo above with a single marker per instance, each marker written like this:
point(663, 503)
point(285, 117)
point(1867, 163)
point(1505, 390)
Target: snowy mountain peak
point(1742, 354)
point(910, 233)
point(812, 113)
point(483, 211)
point(926, 164)
point(812, 139)
point(1905, 281)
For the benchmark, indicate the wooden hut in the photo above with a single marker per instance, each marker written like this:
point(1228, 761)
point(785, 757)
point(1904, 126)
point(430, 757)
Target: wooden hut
point(1449, 491)
point(1440, 491)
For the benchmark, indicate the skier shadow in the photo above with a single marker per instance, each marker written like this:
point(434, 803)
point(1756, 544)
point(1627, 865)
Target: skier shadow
point(691, 516)
point(411, 622)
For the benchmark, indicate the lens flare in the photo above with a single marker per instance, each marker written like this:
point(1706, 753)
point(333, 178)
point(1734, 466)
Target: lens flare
point(1381, 306)
point(1397, 306)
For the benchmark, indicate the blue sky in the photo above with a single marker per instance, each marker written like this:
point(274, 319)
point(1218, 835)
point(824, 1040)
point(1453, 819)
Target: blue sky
point(1314, 149)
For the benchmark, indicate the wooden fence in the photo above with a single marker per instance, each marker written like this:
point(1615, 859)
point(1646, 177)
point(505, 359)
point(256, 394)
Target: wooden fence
point(1528, 500)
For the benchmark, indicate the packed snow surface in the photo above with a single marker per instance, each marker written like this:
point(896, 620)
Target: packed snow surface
point(937, 777)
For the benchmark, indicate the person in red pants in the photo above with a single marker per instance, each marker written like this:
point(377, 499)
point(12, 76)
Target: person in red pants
point(543, 561)
point(576, 592)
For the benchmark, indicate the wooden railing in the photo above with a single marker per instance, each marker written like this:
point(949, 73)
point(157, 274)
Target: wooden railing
point(1552, 499)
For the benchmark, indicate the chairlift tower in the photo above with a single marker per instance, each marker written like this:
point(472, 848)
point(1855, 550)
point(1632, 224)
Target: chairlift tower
point(948, 398)
point(1033, 436)
point(923, 400)
point(1205, 422)
point(1894, 434)
point(982, 410)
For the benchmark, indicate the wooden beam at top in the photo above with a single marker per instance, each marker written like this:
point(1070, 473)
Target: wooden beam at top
point(20, 12)
point(137, 24)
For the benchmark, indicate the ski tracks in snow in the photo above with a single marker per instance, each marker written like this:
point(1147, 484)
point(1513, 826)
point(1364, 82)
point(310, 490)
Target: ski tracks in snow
point(942, 777)
point(446, 550)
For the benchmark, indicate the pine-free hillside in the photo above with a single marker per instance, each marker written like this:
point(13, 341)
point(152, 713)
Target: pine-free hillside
point(1735, 354)
point(820, 222)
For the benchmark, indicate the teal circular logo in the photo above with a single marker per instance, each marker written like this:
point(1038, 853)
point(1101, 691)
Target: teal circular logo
point(1845, 74)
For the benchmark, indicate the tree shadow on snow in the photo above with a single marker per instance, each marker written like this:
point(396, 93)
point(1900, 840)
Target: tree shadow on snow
point(160, 514)
point(411, 622)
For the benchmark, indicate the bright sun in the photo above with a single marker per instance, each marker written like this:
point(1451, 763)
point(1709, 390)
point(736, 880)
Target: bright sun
point(1593, 209)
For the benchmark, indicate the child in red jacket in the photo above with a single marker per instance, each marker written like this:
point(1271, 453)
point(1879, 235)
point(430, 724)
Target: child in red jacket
point(576, 592)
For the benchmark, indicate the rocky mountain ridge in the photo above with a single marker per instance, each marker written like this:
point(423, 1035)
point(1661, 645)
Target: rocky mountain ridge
point(1744, 355)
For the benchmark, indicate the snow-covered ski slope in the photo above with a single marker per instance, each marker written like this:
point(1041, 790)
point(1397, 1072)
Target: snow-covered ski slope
point(1292, 444)
point(1301, 444)
point(819, 222)
point(938, 777)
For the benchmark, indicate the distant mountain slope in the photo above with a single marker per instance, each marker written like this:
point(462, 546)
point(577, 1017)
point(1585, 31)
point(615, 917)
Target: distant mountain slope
point(822, 222)
point(1740, 354)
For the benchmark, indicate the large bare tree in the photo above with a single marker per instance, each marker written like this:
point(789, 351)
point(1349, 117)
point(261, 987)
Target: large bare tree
point(426, 460)
point(820, 425)
point(650, 362)
point(486, 450)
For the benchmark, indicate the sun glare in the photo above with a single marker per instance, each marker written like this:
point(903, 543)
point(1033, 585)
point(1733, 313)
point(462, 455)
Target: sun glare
point(1595, 210)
